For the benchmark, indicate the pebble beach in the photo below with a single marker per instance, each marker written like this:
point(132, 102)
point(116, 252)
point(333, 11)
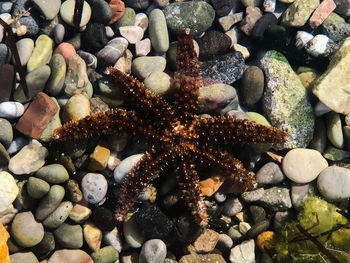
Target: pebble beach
point(280, 63)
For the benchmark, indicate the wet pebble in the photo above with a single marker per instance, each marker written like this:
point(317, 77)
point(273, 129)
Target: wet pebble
point(105, 255)
point(252, 86)
point(125, 166)
point(252, 196)
point(158, 31)
point(8, 190)
point(276, 199)
point(94, 187)
point(53, 173)
point(37, 188)
point(112, 51)
point(58, 216)
point(79, 213)
point(70, 256)
point(270, 173)
point(48, 10)
point(153, 251)
point(142, 67)
point(67, 13)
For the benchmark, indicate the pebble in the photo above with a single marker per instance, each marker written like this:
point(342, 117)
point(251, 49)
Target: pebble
point(11, 109)
point(253, 14)
point(269, 6)
point(142, 67)
point(94, 37)
point(276, 199)
point(334, 129)
point(226, 22)
point(23, 200)
point(5, 54)
point(303, 165)
point(141, 20)
point(7, 76)
point(79, 213)
point(299, 193)
point(223, 8)
point(128, 19)
point(158, 31)
point(333, 183)
point(242, 49)
point(335, 154)
point(118, 8)
point(99, 158)
point(324, 9)
point(258, 228)
point(25, 230)
point(321, 46)
point(302, 38)
point(6, 6)
point(47, 134)
point(58, 33)
point(258, 213)
point(50, 202)
point(218, 98)
point(243, 252)
point(270, 173)
point(132, 34)
point(6, 132)
point(4, 156)
point(105, 255)
point(253, 195)
point(319, 140)
point(263, 24)
point(25, 48)
point(103, 219)
point(213, 43)
point(279, 101)
point(30, 26)
point(77, 107)
point(46, 245)
point(37, 116)
point(90, 60)
point(8, 190)
point(37, 188)
point(227, 68)
point(132, 234)
point(101, 11)
point(70, 256)
point(67, 13)
point(143, 47)
point(252, 85)
point(243, 227)
point(29, 159)
point(20, 257)
point(114, 49)
point(94, 187)
point(67, 50)
point(73, 192)
point(153, 251)
point(197, 16)
point(113, 238)
point(59, 216)
point(53, 173)
point(48, 10)
point(42, 52)
point(225, 243)
point(77, 81)
point(232, 206)
point(299, 12)
point(92, 236)
point(58, 68)
point(193, 258)
point(69, 236)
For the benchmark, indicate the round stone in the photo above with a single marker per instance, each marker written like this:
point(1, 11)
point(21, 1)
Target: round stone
point(77, 107)
point(105, 255)
point(53, 173)
point(142, 67)
point(114, 49)
point(334, 183)
point(94, 187)
point(48, 10)
point(70, 256)
point(8, 190)
point(159, 83)
point(252, 85)
point(50, 202)
point(232, 206)
point(26, 231)
point(20, 257)
point(270, 173)
point(6, 132)
point(303, 165)
point(59, 32)
point(67, 12)
point(69, 236)
point(11, 109)
point(37, 188)
point(153, 250)
point(57, 217)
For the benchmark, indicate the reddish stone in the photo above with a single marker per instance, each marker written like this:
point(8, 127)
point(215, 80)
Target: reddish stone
point(7, 76)
point(66, 50)
point(118, 8)
point(37, 116)
point(321, 13)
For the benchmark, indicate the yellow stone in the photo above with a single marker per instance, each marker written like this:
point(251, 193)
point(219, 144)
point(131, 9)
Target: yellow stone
point(99, 158)
point(4, 250)
point(265, 241)
point(42, 52)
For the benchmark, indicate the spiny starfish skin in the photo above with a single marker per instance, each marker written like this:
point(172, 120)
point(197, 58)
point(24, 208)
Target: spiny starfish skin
point(176, 135)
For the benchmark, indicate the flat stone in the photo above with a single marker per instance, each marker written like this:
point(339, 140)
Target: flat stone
point(37, 116)
point(29, 159)
point(244, 252)
point(26, 231)
point(276, 199)
point(8, 190)
point(42, 52)
point(70, 256)
point(25, 48)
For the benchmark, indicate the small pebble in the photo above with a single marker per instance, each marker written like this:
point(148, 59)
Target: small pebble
point(105, 255)
point(92, 236)
point(270, 173)
point(37, 188)
point(153, 251)
point(243, 252)
point(67, 12)
point(143, 47)
point(232, 206)
point(70, 256)
point(94, 187)
point(69, 236)
point(125, 166)
point(79, 213)
point(25, 48)
point(42, 52)
point(113, 238)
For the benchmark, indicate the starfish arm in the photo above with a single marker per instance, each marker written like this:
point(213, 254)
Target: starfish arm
point(143, 100)
point(239, 174)
point(107, 122)
point(232, 130)
point(188, 182)
point(138, 178)
point(187, 80)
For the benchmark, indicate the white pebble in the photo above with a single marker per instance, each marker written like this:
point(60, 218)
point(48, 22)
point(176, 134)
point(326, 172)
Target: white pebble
point(17, 144)
point(302, 37)
point(125, 167)
point(11, 109)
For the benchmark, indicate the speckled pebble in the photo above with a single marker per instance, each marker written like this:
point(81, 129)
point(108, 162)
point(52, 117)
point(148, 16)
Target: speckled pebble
point(270, 173)
point(94, 187)
point(105, 255)
point(59, 216)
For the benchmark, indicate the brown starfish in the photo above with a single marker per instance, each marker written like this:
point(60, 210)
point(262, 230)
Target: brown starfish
point(176, 135)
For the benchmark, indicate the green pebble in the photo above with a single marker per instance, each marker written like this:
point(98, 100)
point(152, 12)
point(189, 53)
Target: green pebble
point(69, 236)
point(37, 188)
point(105, 255)
point(50, 202)
point(53, 173)
point(158, 31)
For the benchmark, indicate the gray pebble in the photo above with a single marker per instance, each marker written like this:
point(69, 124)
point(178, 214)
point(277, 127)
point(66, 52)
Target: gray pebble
point(53, 173)
point(158, 31)
point(258, 213)
point(57, 217)
point(101, 11)
point(16, 145)
point(299, 193)
point(270, 173)
point(37, 188)
point(50, 202)
point(252, 196)
point(276, 199)
point(6, 132)
point(69, 236)
point(58, 73)
point(232, 206)
point(153, 251)
point(112, 51)
point(94, 187)
point(58, 33)
point(258, 228)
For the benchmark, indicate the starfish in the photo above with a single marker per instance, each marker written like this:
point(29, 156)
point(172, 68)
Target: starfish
point(176, 135)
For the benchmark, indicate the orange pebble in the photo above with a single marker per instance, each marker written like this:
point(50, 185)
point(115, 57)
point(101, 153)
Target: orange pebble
point(4, 250)
point(118, 8)
point(265, 241)
point(67, 50)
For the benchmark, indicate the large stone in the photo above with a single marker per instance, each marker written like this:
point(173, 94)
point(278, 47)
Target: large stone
point(298, 13)
point(333, 87)
point(285, 101)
